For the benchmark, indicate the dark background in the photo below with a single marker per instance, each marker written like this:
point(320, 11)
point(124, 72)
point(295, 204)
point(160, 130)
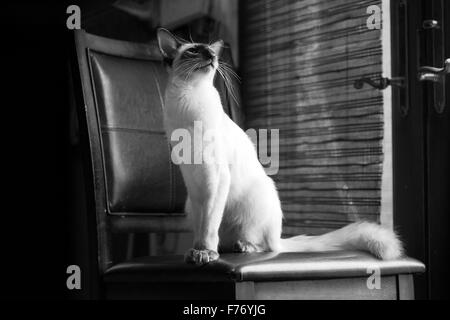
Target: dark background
point(44, 222)
point(34, 98)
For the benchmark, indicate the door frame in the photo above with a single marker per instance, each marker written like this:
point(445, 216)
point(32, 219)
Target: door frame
point(420, 154)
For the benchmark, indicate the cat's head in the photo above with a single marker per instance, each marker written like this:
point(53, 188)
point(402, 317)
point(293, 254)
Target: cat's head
point(186, 60)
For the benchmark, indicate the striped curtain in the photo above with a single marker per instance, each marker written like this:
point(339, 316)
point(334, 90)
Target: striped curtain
point(299, 62)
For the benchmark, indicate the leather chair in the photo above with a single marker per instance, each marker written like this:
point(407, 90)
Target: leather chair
point(134, 187)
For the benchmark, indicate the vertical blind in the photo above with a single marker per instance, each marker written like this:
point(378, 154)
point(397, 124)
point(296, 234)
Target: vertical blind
point(299, 62)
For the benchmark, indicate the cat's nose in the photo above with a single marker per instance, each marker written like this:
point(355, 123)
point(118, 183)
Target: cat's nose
point(207, 54)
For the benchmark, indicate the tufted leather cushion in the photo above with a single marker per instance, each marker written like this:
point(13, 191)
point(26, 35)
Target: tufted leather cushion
point(140, 178)
point(259, 267)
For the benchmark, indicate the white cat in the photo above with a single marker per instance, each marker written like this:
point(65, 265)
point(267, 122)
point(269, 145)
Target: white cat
point(233, 204)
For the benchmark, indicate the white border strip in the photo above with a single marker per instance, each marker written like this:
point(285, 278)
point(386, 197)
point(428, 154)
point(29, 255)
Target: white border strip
point(387, 196)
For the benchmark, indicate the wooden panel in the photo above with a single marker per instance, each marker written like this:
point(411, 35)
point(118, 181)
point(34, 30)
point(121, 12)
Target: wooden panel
point(245, 290)
point(405, 287)
point(332, 289)
point(299, 62)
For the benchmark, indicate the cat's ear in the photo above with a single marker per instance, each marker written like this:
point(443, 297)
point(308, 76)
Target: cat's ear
point(217, 47)
point(168, 43)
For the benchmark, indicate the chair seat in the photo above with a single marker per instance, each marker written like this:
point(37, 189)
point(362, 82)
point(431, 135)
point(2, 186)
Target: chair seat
point(238, 267)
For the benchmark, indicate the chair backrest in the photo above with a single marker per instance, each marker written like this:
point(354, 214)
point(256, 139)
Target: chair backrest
point(136, 186)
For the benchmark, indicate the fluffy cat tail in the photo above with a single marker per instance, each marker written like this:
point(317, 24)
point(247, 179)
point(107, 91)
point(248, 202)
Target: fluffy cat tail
point(374, 238)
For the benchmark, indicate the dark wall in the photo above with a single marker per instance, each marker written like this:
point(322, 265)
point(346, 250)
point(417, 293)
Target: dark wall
point(34, 110)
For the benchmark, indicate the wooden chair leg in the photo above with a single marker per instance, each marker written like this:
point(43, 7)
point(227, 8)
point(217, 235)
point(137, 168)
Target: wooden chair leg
point(405, 285)
point(245, 290)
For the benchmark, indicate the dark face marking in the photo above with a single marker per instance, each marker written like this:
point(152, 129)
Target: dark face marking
point(200, 51)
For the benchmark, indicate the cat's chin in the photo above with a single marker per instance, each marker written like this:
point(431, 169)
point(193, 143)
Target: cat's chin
point(206, 67)
point(206, 70)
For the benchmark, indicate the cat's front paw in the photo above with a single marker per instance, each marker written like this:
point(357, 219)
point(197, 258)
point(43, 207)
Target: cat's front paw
point(244, 247)
point(200, 257)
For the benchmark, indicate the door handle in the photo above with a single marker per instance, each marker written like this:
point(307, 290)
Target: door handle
point(434, 74)
point(437, 76)
point(381, 83)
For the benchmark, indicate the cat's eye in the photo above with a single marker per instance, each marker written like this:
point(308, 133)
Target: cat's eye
point(193, 50)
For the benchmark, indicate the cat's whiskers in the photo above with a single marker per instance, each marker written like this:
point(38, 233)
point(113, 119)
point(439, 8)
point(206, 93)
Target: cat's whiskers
point(223, 72)
point(191, 70)
point(189, 66)
point(229, 70)
point(185, 68)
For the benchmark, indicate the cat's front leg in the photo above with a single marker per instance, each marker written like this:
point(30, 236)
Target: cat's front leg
point(198, 255)
point(206, 239)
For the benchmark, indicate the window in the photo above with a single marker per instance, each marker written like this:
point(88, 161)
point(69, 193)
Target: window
point(299, 62)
